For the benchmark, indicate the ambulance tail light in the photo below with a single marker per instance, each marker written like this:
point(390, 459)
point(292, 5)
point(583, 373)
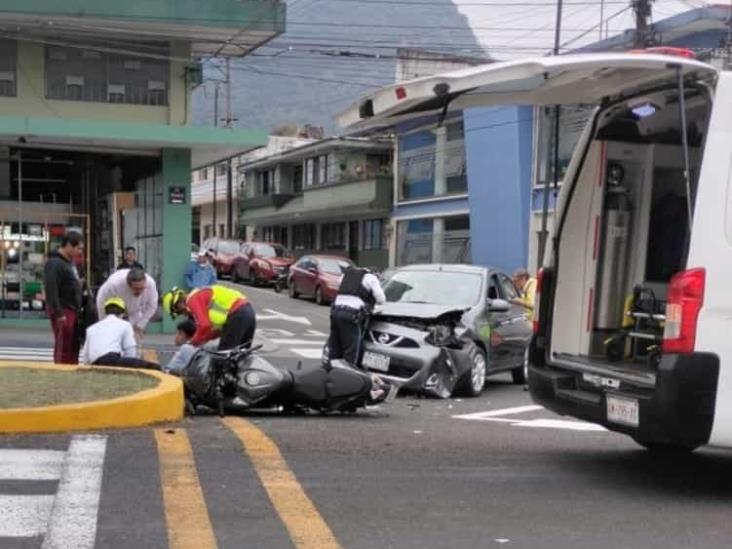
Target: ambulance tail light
point(685, 300)
point(536, 324)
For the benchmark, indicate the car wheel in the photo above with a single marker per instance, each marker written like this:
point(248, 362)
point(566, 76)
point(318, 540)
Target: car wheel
point(319, 296)
point(521, 374)
point(291, 290)
point(473, 381)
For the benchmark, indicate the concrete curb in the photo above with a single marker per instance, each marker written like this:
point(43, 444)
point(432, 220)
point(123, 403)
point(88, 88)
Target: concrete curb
point(162, 403)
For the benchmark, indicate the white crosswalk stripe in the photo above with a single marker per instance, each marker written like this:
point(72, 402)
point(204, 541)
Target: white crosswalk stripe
point(41, 354)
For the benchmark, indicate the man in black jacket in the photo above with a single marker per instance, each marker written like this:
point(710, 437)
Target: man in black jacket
point(130, 259)
point(63, 297)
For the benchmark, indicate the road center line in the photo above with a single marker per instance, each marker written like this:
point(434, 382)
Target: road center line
point(73, 522)
point(306, 526)
point(186, 514)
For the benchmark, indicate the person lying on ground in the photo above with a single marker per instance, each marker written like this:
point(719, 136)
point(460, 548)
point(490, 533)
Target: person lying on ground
point(184, 332)
point(111, 341)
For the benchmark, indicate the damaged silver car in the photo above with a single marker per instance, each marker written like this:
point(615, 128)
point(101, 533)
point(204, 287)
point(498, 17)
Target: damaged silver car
point(445, 328)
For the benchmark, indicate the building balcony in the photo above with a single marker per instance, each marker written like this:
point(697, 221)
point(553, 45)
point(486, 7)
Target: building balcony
point(213, 27)
point(331, 201)
point(266, 201)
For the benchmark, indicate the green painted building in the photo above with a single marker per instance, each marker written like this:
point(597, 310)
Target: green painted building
point(95, 130)
point(333, 196)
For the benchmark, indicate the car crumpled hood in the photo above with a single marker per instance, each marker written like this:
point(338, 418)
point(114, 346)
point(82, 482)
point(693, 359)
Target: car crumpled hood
point(418, 310)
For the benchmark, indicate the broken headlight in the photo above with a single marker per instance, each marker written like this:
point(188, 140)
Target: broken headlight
point(441, 335)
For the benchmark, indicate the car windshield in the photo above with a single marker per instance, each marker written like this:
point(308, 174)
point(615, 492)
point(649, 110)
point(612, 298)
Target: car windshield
point(434, 287)
point(334, 266)
point(229, 247)
point(269, 250)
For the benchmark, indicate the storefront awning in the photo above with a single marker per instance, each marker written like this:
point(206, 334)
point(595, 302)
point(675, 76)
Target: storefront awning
point(207, 145)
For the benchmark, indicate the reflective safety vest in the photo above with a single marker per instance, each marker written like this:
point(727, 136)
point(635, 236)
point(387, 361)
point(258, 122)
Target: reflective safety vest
point(223, 301)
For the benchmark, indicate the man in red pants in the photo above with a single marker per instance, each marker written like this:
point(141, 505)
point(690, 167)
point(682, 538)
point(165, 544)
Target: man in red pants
point(63, 297)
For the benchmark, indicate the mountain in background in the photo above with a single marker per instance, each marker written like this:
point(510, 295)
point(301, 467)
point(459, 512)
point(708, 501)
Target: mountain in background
point(332, 52)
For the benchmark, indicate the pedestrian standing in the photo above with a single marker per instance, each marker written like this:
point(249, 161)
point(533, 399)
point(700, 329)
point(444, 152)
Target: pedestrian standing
point(63, 297)
point(359, 292)
point(526, 286)
point(139, 293)
point(200, 273)
point(130, 259)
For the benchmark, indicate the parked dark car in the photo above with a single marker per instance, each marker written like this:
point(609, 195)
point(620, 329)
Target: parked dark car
point(317, 276)
point(261, 262)
point(444, 328)
point(223, 253)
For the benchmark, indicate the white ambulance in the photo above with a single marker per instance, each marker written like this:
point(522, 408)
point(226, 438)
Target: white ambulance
point(633, 327)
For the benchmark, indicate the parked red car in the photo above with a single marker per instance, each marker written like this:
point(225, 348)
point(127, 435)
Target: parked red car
point(223, 253)
point(261, 262)
point(317, 276)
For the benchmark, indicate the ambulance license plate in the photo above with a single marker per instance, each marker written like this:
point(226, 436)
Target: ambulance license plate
point(623, 411)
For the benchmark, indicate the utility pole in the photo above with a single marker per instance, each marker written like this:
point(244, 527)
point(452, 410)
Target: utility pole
point(642, 10)
point(544, 234)
point(216, 125)
point(229, 177)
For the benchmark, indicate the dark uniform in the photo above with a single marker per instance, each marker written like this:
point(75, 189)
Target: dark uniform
point(358, 293)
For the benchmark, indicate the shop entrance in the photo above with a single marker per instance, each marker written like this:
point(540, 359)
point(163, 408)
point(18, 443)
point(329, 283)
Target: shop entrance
point(113, 199)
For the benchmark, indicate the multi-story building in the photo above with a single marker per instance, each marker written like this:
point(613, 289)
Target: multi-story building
point(95, 129)
point(333, 196)
point(215, 203)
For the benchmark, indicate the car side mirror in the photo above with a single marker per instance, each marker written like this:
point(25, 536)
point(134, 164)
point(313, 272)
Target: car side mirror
point(498, 306)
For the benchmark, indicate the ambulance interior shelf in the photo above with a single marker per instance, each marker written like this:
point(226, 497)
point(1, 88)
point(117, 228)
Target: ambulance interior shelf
point(627, 231)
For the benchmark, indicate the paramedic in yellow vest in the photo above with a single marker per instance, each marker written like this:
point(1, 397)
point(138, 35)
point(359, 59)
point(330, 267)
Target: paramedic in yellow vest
point(526, 285)
point(218, 311)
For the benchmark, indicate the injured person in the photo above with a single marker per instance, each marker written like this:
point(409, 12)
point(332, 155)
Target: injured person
point(111, 341)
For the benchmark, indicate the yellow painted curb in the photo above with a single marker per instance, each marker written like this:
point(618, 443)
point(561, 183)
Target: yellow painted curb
point(162, 403)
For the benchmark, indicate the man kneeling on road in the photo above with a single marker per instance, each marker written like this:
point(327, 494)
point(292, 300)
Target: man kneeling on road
point(359, 292)
point(111, 341)
point(218, 311)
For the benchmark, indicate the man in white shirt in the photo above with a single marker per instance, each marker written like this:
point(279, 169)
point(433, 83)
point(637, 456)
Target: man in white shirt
point(111, 341)
point(139, 293)
point(359, 292)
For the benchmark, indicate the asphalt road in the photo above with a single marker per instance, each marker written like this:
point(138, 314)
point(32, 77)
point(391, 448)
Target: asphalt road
point(475, 473)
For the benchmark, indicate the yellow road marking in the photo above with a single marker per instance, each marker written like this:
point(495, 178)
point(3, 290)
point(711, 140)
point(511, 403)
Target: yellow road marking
point(186, 515)
point(307, 528)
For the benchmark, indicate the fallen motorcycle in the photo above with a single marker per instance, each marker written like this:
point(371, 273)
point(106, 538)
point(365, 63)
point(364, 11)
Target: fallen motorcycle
point(239, 379)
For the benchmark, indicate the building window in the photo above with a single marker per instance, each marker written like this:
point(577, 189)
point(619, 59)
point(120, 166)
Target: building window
point(434, 240)
point(221, 169)
point(265, 183)
point(417, 163)
point(79, 74)
point(297, 179)
point(572, 121)
point(316, 170)
point(221, 229)
point(303, 237)
point(373, 234)
point(207, 229)
point(333, 236)
point(8, 64)
point(204, 174)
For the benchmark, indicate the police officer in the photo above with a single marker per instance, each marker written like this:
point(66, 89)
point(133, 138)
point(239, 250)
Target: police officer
point(218, 311)
point(359, 292)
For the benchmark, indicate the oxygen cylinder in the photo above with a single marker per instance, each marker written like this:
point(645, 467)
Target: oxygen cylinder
point(613, 264)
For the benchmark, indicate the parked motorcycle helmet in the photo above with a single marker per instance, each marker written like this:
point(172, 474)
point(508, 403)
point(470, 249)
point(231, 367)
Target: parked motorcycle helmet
point(171, 299)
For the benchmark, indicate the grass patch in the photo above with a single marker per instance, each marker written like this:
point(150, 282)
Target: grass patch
point(30, 387)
